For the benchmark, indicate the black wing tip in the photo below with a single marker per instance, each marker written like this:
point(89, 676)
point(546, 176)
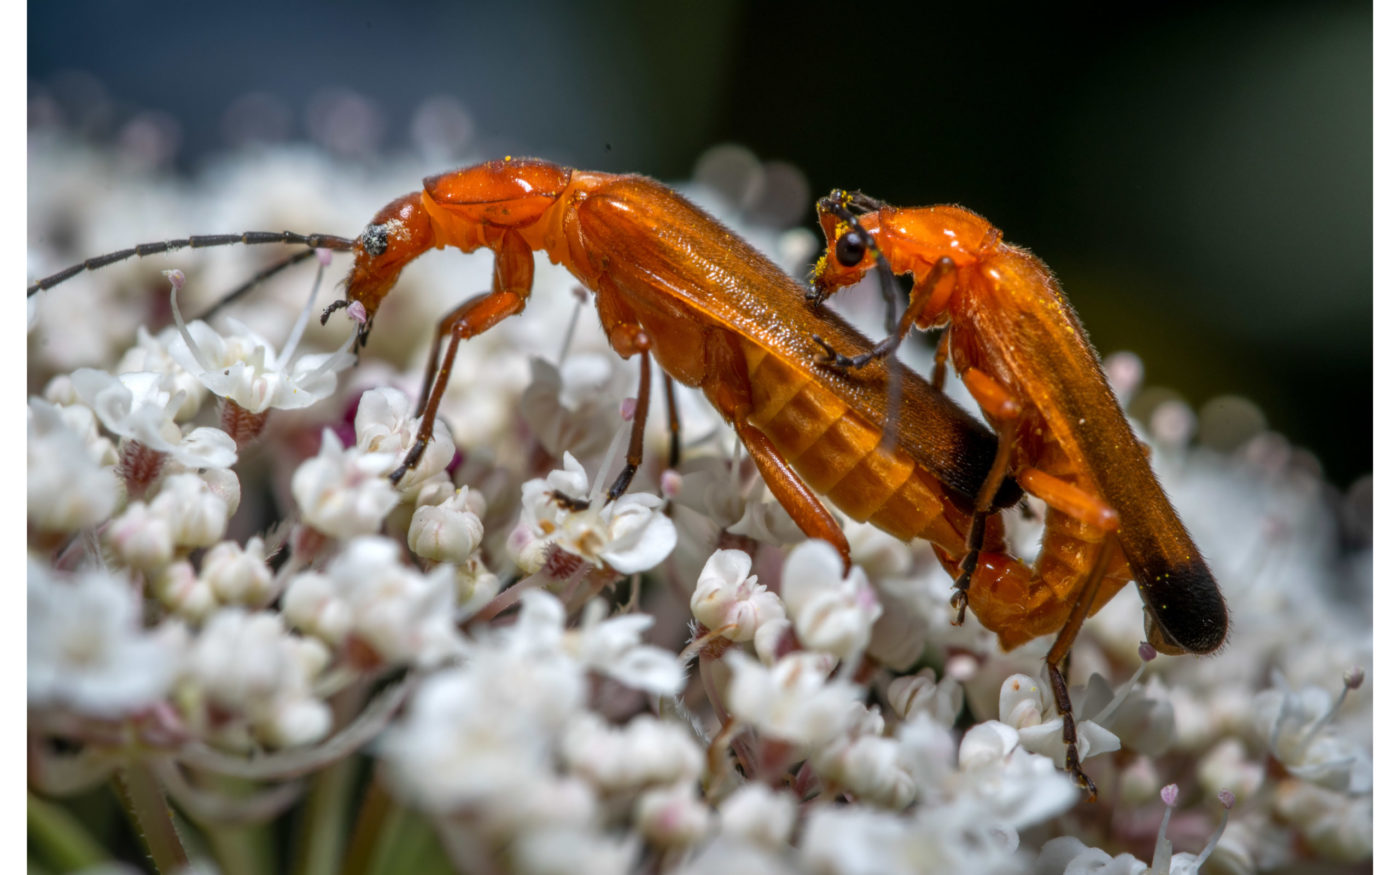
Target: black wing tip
point(1186, 606)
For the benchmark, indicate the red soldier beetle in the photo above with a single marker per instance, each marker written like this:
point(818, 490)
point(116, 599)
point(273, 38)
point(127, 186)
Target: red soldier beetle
point(1025, 358)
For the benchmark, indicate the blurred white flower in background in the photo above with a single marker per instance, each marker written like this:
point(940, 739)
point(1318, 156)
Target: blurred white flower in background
point(88, 650)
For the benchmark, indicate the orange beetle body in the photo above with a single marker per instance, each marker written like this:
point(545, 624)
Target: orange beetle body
point(673, 283)
point(1024, 356)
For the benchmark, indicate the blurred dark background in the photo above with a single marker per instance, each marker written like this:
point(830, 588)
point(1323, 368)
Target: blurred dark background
point(1198, 175)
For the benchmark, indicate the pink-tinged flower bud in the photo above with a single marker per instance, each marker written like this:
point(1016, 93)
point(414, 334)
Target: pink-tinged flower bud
point(343, 492)
point(446, 532)
point(141, 538)
point(730, 602)
point(181, 590)
point(238, 575)
point(830, 612)
point(758, 814)
point(196, 516)
point(673, 817)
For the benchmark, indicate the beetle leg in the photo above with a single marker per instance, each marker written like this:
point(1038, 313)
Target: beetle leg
point(940, 358)
point(1057, 664)
point(673, 421)
point(514, 275)
point(1069, 500)
point(430, 373)
point(943, 273)
point(1093, 512)
point(792, 493)
point(1004, 411)
point(726, 385)
point(642, 343)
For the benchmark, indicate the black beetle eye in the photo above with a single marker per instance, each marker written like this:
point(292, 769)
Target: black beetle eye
point(375, 239)
point(850, 249)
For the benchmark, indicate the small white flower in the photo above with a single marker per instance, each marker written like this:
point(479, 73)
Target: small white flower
point(67, 489)
point(244, 368)
point(614, 647)
point(766, 521)
point(1013, 786)
point(1294, 726)
point(238, 575)
point(385, 424)
point(180, 590)
point(152, 353)
point(709, 496)
point(1066, 854)
point(76, 417)
point(476, 586)
point(738, 858)
point(1338, 825)
point(1140, 715)
point(758, 814)
point(774, 639)
point(402, 615)
point(878, 552)
point(342, 492)
point(141, 538)
point(941, 700)
point(1029, 707)
point(857, 839)
point(142, 407)
point(248, 664)
point(1229, 765)
point(904, 629)
point(672, 817)
point(195, 515)
point(446, 532)
point(793, 700)
point(870, 767)
point(87, 649)
point(573, 407)
point(730, 601)
point(574, 851)
point(831, 612)
point(629, 535)
point(542, 802)
point(223, 484)
point(930, 752)
point(1069, 854)
point(645, 752)
point(476, 733)
point(967, 822)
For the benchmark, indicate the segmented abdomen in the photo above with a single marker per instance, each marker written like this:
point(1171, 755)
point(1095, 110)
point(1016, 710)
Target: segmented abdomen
point(837, 452)
point(1020, 603)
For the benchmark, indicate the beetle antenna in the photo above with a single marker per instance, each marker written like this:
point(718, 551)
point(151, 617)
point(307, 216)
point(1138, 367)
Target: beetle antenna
point(313, 241)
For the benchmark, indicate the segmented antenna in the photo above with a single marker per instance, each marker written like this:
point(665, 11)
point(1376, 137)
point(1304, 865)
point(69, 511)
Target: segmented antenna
point(313, 241)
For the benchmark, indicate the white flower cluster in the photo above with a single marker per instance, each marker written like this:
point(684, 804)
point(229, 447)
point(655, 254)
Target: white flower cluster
point(676, 680)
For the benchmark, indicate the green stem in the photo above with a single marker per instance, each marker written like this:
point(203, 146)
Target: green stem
point(150, 814)
point(321, 833)
point(243, 848)
point(389, 850)
point(60, 838)
point(369, 825)
point(408, 843)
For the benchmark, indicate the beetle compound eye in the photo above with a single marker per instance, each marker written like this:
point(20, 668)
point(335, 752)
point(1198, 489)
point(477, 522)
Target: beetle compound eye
point(375, 239)
point(850, 249)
